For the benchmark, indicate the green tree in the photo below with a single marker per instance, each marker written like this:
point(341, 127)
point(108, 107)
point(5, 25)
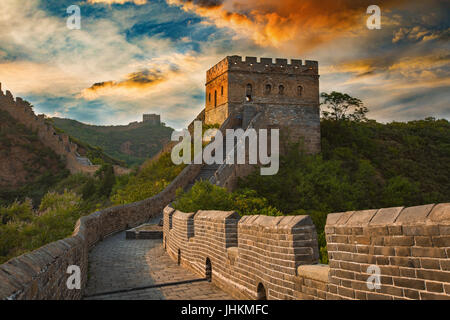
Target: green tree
point(340, 104)
point(107, 180)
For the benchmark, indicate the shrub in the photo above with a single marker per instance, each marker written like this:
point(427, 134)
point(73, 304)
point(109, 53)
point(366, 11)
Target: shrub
point(206, 196)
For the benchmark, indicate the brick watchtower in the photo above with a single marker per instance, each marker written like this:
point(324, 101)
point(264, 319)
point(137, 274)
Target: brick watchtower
point(287, 95)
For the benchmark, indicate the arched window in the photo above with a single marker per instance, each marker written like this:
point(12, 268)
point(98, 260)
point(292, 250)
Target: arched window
point(299, 91)
point(221, 91)
point(209, 98)
point(281, 89)
point(215, 98)
point(248, 92)
point(268, 89)
point(261, 292)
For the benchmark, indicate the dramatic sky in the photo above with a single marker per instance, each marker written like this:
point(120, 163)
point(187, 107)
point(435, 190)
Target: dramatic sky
point(150, 56)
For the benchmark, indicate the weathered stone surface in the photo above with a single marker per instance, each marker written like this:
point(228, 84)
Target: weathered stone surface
point(440, 213)
point(386, 216)
point(360, 218)
point(414, 214)
point(317, 272)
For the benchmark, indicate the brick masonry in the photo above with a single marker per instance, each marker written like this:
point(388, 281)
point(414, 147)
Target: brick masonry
point(243, 254)
point(410, 246)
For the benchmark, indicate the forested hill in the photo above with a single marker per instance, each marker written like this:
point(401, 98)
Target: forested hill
point(27, 166)
point(133, 143)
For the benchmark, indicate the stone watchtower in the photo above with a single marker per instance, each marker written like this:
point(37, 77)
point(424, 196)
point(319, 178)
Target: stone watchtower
point(286, 95)
point(154, 119)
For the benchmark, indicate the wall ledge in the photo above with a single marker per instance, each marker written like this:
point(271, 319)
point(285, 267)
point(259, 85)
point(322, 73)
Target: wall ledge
point(318, 272)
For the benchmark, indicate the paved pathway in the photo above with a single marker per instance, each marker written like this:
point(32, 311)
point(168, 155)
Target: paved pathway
point(117, 264)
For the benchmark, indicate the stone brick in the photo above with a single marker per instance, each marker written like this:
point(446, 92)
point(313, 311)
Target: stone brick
point(345, 274)
point(440, 213)
point(433, 296)
point(386, 216)
point(409, 283)
point(390, 290)
point(399, 241)
point(361, 218)
point(435, 275)
point(428, 252)
point(403, 251)
point(405, 262)
point(447, 288)
point(414, 214)
point(346, 292)
point(430, 263)
point(390, 270)
point(360, 295)
point(407, 272)
point(421, 230)
point(350, 266)
point(412, 294)
point(445, 264)
point(441, 241)
point(378, 230)
point(378, 296)
point(423, 241)
point(395, 230)
point(434, 286)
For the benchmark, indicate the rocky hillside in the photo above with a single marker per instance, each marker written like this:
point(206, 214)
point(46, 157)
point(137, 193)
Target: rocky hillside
point(133, 143)
point(25, 163)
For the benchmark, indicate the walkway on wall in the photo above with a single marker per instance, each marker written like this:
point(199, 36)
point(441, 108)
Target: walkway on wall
point(122, 269)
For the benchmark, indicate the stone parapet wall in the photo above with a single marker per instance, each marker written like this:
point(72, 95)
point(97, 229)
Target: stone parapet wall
point(244, 254)
point(42, 274)
point(312, 282)
point(410, 246)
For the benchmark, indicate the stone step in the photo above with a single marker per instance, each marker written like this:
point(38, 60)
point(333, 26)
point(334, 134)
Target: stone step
point(145, 231)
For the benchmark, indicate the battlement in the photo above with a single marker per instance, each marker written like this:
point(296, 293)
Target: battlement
point(264, 65)
point(152, 118)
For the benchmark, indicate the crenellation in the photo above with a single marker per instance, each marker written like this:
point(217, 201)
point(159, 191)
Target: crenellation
point(281, 253)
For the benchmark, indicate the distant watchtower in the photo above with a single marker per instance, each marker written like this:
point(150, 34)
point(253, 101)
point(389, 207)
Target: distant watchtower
point(286, 94)
point(154, 119)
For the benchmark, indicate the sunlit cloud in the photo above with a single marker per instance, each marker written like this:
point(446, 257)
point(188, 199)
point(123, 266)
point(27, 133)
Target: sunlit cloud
point(148, 56)
point(301, 24)
point(137, 2)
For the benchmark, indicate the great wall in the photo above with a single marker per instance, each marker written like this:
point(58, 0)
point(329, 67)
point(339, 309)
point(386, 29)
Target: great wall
point(254, 257)
point(261, 257)
point(60, 143)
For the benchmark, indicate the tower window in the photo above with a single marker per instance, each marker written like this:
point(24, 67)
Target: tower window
point(281, 89)
point(248, 92)
point(215, 98)
point(268, 89)
point(209, 98)
point(300, 91)
point(221, 91)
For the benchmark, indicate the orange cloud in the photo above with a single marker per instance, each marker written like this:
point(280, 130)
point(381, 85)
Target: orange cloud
point(137, 2)
point(135, 81)
point(302, 23)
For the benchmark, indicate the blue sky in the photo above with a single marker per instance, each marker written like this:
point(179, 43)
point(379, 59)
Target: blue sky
point(150, 56)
